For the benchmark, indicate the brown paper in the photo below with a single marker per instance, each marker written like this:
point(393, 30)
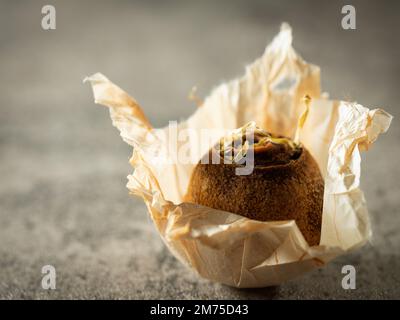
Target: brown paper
point(226, 247)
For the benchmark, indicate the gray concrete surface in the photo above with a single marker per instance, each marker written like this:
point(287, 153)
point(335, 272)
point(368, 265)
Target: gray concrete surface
point(63, 167)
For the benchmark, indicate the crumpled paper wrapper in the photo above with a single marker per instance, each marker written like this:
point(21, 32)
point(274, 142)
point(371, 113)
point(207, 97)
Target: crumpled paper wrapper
point(228, 248)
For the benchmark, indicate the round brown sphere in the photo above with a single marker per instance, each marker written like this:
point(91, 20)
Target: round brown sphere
point(286, 184)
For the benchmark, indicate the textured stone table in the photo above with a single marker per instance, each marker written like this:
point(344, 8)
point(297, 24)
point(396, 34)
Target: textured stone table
point(63, 166)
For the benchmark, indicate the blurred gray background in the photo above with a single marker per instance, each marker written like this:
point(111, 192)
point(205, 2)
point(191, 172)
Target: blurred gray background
point(63, 167)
